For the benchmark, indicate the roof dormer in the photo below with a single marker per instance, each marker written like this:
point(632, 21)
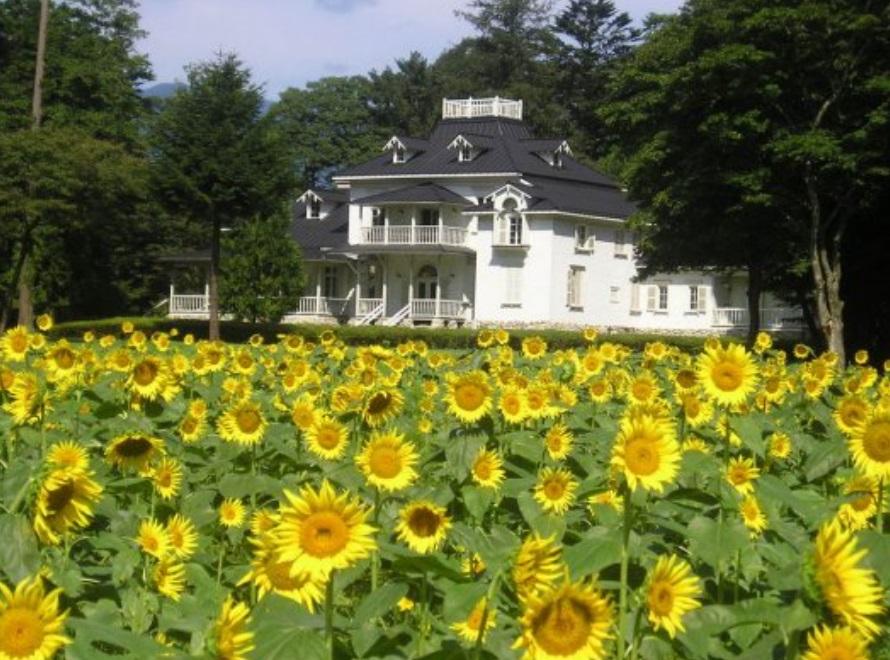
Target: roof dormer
point(554, 156)
point(403, 148)
point(314, 204)
point(466, 151)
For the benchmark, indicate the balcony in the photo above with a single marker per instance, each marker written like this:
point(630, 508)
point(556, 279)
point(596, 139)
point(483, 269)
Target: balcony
point(472, 108)
point(321, 306)
point(771, 318)
point(414, 235)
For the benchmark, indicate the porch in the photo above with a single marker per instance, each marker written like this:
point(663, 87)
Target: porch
point(771, 318)
point(414, 235)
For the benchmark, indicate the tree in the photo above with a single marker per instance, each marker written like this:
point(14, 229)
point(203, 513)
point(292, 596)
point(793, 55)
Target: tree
point(593, 37)
point(327, 126)
point(262, 276)
point(767, 121)
point(405, 100)
point(215, 160)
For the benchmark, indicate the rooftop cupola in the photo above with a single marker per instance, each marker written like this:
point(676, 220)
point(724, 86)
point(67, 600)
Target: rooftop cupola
point(472, 108)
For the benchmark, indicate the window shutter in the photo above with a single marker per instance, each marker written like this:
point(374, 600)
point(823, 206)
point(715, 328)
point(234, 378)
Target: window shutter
point(635, 297)
point(500, 234)
point(702, 298)
point(651, 297)
point(579, 235)
point(569, 285)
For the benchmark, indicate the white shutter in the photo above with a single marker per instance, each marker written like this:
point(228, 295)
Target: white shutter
point(702, 298)
point(635, 297)
point(590, 241)
point(651, 297)
point(579, 235)
point(500, 230)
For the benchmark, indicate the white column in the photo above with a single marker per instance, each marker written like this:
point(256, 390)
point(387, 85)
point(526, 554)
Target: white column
point(319, 273)
point(170, 303)
point(413, 225)
point(206, 296)
point(411, 281)
point(384, 274)
point(358, 289)
point(438, 283)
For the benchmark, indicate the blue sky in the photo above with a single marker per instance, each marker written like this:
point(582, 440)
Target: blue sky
point(287, 43)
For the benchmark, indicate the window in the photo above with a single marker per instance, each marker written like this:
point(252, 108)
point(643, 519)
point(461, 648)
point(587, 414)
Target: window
point(615, 294)
point(557, 158)
point(465, 152)
point(429, 217)
point(657, 298)
point(378, 217)
point(313, 208)
point(513, 286)
point(398, 154)
point(509, 225)
point(634, 298)
point(329, 283)
point(573, 287)
point(698, 296)
point(585, 240)
point(621, 244)
point(515, 229)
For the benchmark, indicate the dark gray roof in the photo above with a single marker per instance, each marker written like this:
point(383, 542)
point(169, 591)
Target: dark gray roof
point(573, 197)
point(331, 196)
point(312, 234)
point(413, 144)
point(429, 193)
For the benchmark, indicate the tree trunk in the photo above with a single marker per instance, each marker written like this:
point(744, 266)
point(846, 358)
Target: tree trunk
point(26, 301)
point(213, 303)
point(810, 320)
point(14, 282)
point(755, 288)
point(825, 259)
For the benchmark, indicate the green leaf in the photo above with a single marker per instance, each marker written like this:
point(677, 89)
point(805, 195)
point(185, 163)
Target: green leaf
point(379, 602)
point(599, 548)
point(284, 630)
point(477, 500)
point(713, 542)
point(19, 554)
point(89, 636)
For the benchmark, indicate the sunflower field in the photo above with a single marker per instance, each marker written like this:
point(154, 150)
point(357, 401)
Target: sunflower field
point(162, 497)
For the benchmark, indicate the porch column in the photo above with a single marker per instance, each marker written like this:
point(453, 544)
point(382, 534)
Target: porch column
point(440, 230)
point(410, 283)
point(438, 283)
point(358, 289)
point(170, 300)
point(385, 224)
point(413, 225)
point(319, 273)
point(206, 296)
point(383, 275)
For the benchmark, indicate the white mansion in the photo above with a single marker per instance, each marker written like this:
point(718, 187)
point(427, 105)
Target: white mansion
point(482, 223)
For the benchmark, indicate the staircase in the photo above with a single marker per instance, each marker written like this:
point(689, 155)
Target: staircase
point(371, 316)
point(399, 316)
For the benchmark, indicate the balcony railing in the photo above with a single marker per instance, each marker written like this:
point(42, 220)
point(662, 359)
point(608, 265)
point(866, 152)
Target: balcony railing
point(771, 318)
point(367, 305)
point(414, 235)
point(189, 304)
point(490, 107)
point(313, 305)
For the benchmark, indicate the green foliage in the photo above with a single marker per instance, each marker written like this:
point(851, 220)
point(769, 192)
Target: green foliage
point(262, 275)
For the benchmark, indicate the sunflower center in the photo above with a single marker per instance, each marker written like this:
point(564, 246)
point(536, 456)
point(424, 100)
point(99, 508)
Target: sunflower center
point(248, 420)
point(21, 632)
point(59, 498)
point(862, 502)
point(554, 489)
point(852, 415)
point(385, 462)
point(686, 378)
point(323, 534)
point(133, 447)
point(328, 438)
point(145, 373)
point(838, 650)
point(727, 376)
point(482, 470)
point(423, 522)
point(189, 425)
point(379, 403)
point(641, 456)
point(641, 391)
point(693, 408)
point(876, 442)
point(738, 476)
point(511, 405)
point(563, 627)
point(280, 577)
point(469, 396)
point(64, 358)
point(19, 343)
point(661, 599)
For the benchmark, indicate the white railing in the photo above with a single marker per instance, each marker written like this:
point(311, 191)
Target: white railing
point(189, 304)
point(372, 313)
point(771, 318)
point(490, 107)
point(322, 306)
point(422, 308)
point(368, 305)
point(399, 316)
point(414, 235)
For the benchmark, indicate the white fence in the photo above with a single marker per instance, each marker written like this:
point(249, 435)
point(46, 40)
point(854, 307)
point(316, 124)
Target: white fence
point(771, 318)
point(414, 235)
point(430, 309)
point(490, 107)
point(185, 305)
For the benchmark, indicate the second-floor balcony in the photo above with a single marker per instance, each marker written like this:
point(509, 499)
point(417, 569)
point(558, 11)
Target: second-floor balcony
point(414, 235)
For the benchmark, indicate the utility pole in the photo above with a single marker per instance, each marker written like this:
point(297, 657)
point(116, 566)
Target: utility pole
point(26, 303)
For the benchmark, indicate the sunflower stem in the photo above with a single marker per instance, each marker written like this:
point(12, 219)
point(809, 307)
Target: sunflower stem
point(635, 646)
point(329, 615)
point(219, 563)
point(625, 556)
point(738, 576)
point(375, 556)
point(424, 613)
point(879, 523)
point(489, 597)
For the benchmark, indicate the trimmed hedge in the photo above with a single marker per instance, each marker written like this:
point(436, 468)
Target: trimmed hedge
point(447, 338)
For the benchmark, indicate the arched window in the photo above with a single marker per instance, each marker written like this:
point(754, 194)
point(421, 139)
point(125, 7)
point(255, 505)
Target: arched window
point(509, 224)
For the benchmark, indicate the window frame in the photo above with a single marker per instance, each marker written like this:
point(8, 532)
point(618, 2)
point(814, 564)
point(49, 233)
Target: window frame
point(575, 287)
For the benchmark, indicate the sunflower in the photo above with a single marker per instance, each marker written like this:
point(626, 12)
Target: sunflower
point(472, 627)
point(485, 338)
point(487, 469)
point(69, 454)
point(321, 531)
point(169, 578)
point(469, 396)
point(304, 413)
point(387, 461)
point(643, 388)
point(64, 504)
point(571, 620)
point(559, 440)
point(851, 411)
point(192, 427)
point(695, 411)
point(870, 444)
point(861, 505)
point(62, 363)
point(167, 477)
point(271, 574)
point(752, 516)
point(741, 473)
point(242, 423)
point(14, 344)
point(672, 591)
point(382, 406)
point(779, 445)
point(29, 400)
point(555, 490)
point(728, 374)
point(231, 512)
point(31, 625)
point(263, 521)
point(538, 565)
point(149, 378)
point(423, 525)
point(153, 538)
point(646, 450)
point(600, 391)
point(133, 451)
point(826, 643)
point(511, 404)
point(182, 535)
point(610, 498)
point(852, 593)
point(327, 438)
point(534, 348)
point(233, 640)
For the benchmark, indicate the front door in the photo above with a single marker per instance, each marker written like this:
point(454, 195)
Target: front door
point(426, 283)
